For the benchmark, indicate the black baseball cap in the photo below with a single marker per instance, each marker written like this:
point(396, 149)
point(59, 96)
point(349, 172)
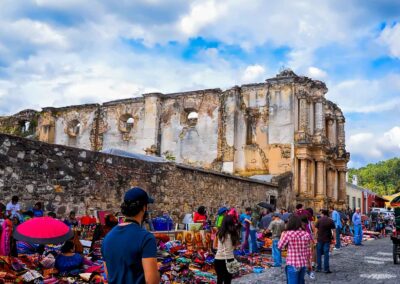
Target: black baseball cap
point(137, 194)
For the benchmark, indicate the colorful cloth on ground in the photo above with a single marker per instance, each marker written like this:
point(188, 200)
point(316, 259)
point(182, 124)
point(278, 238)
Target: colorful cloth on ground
point(298, 247)
point(68, 264)
point(25, 248)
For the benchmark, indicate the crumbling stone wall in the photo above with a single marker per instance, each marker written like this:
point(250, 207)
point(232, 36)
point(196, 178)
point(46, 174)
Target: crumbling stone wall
point(67, 178)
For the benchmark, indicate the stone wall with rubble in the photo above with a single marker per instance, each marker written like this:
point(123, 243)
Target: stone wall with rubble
point(283, 125)
point(67, 178)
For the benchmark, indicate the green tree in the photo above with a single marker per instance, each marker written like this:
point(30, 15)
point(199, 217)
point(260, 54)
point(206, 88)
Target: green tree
point(382, 177)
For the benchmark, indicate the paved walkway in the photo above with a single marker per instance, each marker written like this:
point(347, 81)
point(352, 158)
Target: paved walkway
point(371, 263)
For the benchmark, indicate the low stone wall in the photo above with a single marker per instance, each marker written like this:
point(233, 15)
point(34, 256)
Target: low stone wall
point(66, 178)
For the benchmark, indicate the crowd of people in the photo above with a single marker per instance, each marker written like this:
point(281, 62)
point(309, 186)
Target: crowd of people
point(129, 251)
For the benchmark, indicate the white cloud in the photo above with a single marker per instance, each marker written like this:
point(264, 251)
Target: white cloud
point(316, 73)
point(375, 146)
point(367, 96)
point(201, 14)
point(390, 36)
point(253, 73)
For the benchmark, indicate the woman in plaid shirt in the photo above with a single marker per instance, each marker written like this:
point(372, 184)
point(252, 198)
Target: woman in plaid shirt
point(298, 243)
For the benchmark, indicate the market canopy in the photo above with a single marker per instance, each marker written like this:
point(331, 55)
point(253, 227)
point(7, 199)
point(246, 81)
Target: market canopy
point(395, 202)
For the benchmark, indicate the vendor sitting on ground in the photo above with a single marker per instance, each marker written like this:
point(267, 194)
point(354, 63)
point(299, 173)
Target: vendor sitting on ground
point(200, 216)
point(71, 220)
point(69, 262)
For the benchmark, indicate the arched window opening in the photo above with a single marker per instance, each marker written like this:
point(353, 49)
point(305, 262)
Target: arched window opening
point(25, 126)
point(126, 123)
point(74, 128)
point(192, 118)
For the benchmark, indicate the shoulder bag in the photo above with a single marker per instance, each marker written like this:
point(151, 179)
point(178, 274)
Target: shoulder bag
point(233, 266)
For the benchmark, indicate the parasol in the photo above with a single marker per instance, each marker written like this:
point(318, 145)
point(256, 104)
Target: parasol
point(43, 230)
point(395, 202)
point(266, 206)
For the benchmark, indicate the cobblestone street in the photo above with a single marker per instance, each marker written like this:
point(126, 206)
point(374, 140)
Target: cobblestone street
point(371, 263)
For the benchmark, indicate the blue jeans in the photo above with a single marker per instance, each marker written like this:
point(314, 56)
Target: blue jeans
point(276, 253)
point(323, 248)
point(358, 234)
point(295, 275)
point(253, 241)
point(338, 231)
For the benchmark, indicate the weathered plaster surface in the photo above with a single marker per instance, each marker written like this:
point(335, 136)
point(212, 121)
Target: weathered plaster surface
point(282, 125)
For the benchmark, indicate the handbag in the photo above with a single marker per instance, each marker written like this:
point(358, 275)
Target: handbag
point(233, 266)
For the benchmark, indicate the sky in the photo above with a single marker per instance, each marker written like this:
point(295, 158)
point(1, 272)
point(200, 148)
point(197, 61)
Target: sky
point(66, 52)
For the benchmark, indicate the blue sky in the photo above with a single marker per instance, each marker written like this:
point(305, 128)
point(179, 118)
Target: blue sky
point(64, 52)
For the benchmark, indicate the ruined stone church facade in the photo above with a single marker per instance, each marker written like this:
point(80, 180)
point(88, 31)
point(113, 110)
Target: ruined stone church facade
point(282, 125)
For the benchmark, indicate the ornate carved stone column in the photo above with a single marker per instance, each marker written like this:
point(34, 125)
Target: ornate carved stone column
point(320, 178)
point(342, 186)
point(303, 177)
point(330, 132)
point(319, 116)
point(303, 114)
point(341, 135)
point(330, 183)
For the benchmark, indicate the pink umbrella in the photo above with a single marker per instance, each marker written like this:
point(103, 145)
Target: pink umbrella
point(43, 230)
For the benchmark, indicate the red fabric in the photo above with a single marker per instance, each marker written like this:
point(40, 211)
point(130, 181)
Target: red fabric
point(87, 220)
point(298, 247)
point(43, 228)
point(198, 218)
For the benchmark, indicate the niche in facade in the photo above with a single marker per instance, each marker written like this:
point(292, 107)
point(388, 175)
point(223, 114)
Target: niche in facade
point(192, 118)
point(74, 127)
point(126, 122)
point(25, 126)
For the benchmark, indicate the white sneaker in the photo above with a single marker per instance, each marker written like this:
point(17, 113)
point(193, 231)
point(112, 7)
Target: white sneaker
point(312, 275)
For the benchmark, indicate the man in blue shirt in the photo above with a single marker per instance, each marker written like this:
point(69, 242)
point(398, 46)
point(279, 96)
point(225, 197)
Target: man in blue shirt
point(129, 251)
point(338, 226)
point(245, 220)
point(358, 234)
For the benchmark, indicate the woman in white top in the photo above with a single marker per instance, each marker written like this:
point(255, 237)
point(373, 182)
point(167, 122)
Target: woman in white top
point(227, 239)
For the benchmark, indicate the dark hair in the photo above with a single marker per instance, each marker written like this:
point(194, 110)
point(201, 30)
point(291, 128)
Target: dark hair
point(294, 223)
point(325, 212)
point(132, 208)
point(332, 207)
point(201, 210)
point(304, 219)
point(111, 221)
point(52, 215)
point(15, 198)
point(299, 206)
point(311, 211)
point(248, 209)
point(72, 213)
point(68, 246)
point(39, 205)
point(228, 227)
